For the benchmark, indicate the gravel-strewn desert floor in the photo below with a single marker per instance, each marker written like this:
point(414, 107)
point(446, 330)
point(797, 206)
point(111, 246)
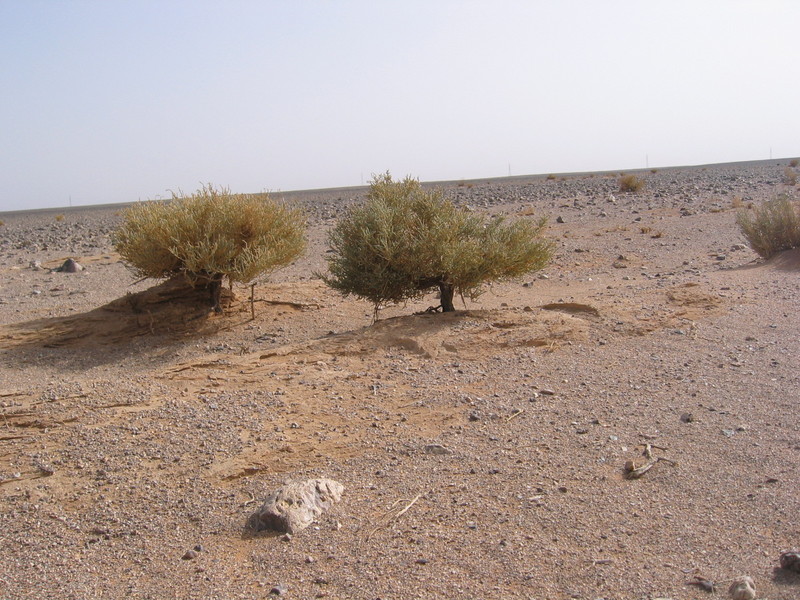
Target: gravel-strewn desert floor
point(134, 430)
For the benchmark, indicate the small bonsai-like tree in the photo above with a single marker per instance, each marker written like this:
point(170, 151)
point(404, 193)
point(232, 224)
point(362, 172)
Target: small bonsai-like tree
point(772, 227)
point(404, 242)
point(209, 236)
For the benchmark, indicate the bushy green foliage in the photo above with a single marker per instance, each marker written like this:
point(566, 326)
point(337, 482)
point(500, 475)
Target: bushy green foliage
point(630, 183)
point(404, 242)
point(773, 227)
point(209, 236)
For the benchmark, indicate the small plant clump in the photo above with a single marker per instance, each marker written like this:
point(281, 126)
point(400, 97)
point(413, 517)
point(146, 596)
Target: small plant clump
point(630, 183)
point(794, 162)
point(773, 227)
point(210, 236)
point(789, 176)
point(404, 242)
point(59, 218)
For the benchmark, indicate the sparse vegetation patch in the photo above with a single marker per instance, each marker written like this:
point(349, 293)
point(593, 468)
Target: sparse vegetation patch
point(210, 236)
point(630, 183)
point(772, 227)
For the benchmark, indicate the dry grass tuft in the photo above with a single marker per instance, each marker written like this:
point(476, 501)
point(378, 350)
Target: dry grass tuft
point(789, 176)
point(793, 162)
point(773, 227)
point(59, 218)
point(630, 183)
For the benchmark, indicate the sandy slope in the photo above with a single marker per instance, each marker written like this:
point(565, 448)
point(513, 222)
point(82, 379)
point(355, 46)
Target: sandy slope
point(134, 430)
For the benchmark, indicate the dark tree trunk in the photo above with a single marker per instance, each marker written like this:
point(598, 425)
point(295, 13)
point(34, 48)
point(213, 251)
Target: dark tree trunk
point(446, 294)
point(215, 289)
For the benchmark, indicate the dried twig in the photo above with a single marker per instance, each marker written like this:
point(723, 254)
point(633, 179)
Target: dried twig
point(634, 472)
point(392, 517)
point(252, 301)
point(703, 583)
point(516, 414)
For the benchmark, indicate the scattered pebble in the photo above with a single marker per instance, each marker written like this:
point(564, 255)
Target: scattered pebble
point(437, 449)
point(279, 589)
point(791, 561)
point(743, 588)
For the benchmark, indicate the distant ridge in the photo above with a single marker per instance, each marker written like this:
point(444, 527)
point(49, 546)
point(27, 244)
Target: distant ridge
point(444, 182)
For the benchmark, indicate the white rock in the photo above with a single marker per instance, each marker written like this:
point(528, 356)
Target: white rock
point(296, 505)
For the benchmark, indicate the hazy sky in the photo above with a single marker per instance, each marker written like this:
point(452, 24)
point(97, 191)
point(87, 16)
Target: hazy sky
point(119, 100)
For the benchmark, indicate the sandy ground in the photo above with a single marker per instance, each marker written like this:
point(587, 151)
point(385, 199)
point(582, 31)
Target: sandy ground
point(134, 429)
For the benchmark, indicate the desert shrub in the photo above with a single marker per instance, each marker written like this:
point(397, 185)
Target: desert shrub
point(2, 223)
point(404, 242)
point(789, 176)
point(772, 227)
point(59, 218)
point(794, 162)
point(551, 177)
point(210, 236)
point(630, 183)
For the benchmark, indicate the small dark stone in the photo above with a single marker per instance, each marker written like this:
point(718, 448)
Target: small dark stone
point(189, 555)
point(279, 589)
point(69, 266)
point(791, 561)
point(437, 449)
